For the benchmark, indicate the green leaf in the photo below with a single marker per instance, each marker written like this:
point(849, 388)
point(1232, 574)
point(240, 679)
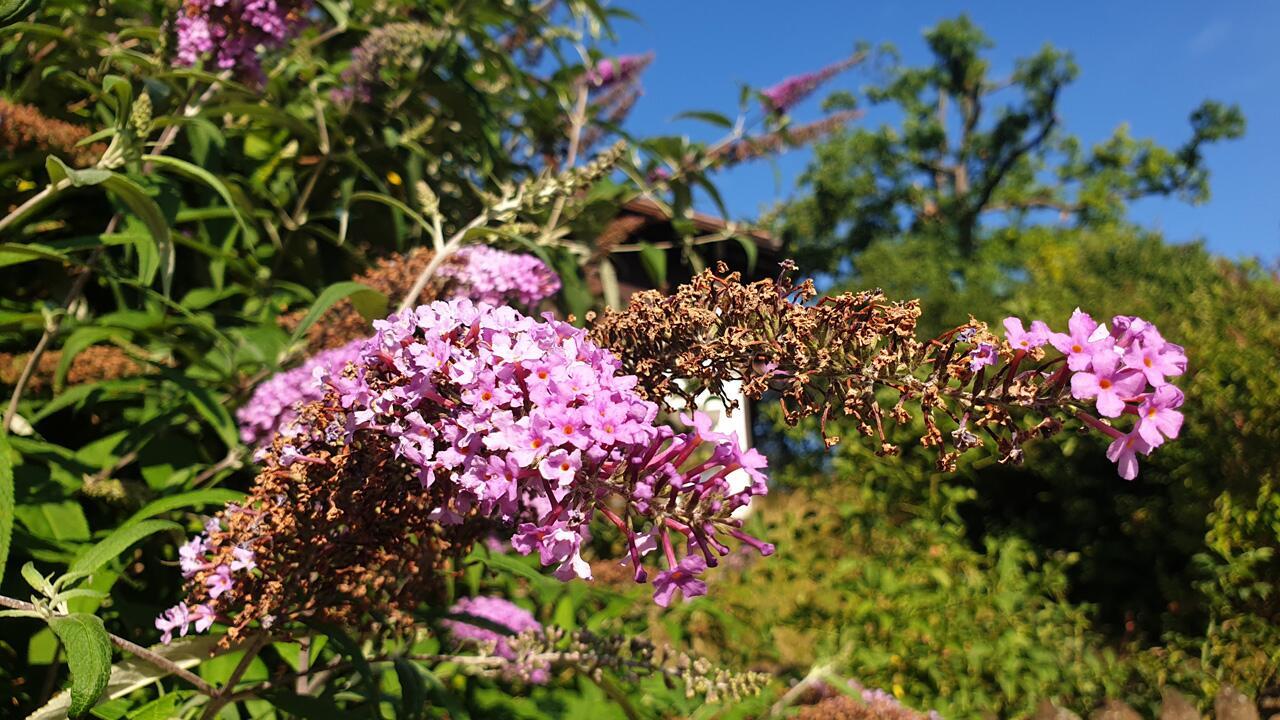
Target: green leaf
point(117, 542)
point(59, 171)
point(513, 566)
point(6, 501)
point(38, 582)
point(11, 10)
point(195, 172)
point(134, 673)
point(714, 118)
point(303, 706)
point(413, 692)
point(573, 289)
point(391, 203)
point(369, 302)
point(137, 199)
point(209, 496)
point(54, 520)
point(162, 708)
point(122, 90)
point(752, 250)
point(347, 646)
point(88, 657)
point(213, 410)
point(655, 263)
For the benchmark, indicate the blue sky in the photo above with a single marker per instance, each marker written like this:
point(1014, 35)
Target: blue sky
point(1147, 64)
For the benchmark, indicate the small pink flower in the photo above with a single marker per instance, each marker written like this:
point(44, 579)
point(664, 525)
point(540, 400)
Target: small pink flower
point(1155, 361)
point(1107, 382)
point(1021, 339)
point(1124, 450)
point(982, 355)
point(561, 467)
point(1077, 344)
point(202, 616)
point(682, 577)
point(219, 581)
point(1158, 417)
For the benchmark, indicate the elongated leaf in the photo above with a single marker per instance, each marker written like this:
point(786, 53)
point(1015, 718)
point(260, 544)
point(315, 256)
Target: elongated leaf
point(348, 647)
point(59, 171)
point(714, 118)
point(117, 542)
point(132, 195)
point(133, 673)
point(195, 172)
point(391, 203)
point(88, 657)
point(751, 249)
point(6, 501)
point(374, 304)
point(210, 407)
point(210, 496)
point(413, 691)
point(507, 564)
point(655, 264)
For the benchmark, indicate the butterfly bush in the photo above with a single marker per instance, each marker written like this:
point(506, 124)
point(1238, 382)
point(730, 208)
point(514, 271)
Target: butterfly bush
point(483, 273)
point(611, 71)
point(788, 93)
point(218, 577)
point(275, 402)
point(1123, 370)
point(232, 31)
point(532, 423)
point(455, 421)
point(498, 277)
point(502, 613)
point(859, 355)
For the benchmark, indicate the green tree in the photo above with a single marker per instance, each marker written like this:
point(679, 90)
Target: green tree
point(973, 155)
point(979, 201)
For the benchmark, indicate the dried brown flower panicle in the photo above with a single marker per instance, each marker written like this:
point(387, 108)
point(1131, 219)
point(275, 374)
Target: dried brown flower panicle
point(853, 353)
point(344, 536)
point(24, 128)
point(96, 363)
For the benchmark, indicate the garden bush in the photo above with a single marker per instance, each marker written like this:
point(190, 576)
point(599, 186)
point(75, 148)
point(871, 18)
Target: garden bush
point(322, 395)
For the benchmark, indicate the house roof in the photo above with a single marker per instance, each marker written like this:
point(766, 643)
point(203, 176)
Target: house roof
point(704, 223)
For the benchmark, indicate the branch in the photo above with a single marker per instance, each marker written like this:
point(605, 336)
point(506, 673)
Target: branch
point(225, 695)
point(51, 329)
point(578, 119)
point(136, 650)
point(993, 178)
point(449, 248)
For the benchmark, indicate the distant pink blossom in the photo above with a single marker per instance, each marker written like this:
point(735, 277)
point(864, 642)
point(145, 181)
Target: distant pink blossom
point(783, 96)
point(611, 71)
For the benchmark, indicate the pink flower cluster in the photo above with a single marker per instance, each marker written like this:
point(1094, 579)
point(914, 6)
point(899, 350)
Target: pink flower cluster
point(497, 611)
point(780, 98)
point(611, 71)
point(1124, 370)
point(193, 557)
point(479, 272)
point(233, 30)
point(497, 277)
point(275, 402)
point(532, 426)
